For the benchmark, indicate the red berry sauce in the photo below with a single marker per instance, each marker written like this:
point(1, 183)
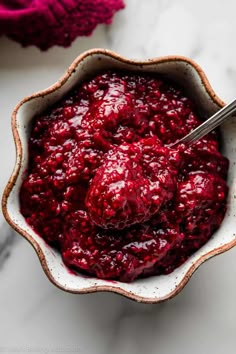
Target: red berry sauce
point(103, 186)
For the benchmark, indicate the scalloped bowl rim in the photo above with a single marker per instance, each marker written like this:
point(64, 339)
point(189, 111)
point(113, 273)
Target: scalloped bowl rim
point(110, 287)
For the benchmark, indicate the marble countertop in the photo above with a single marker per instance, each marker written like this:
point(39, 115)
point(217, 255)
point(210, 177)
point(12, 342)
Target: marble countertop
point(37, 317)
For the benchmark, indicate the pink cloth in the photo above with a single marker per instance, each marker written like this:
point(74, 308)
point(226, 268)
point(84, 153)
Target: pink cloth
point(45, 23)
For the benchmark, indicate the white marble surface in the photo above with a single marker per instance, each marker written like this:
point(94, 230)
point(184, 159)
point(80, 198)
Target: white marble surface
point(36, 317)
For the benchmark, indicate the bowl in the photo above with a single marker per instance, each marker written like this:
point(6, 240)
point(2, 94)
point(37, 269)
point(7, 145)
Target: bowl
point(155, 288)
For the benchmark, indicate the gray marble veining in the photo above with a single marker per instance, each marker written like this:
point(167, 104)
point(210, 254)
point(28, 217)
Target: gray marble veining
point(36, 316)
point(7, 240)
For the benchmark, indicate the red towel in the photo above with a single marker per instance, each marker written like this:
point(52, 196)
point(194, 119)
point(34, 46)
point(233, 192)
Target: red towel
point(45, 23)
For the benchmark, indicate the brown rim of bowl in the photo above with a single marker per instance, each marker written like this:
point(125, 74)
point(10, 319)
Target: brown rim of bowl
point(14, 175)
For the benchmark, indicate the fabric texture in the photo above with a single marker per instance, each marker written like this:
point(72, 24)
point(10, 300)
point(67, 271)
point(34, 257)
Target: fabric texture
point(45, 23)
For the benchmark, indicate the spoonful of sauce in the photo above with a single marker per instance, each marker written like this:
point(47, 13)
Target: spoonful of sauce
point(207, 126)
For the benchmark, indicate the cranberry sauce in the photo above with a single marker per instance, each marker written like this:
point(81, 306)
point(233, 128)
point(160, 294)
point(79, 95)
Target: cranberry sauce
point(104, 187)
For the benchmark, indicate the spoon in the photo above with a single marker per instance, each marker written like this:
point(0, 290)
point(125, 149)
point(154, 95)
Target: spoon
point(210, 124)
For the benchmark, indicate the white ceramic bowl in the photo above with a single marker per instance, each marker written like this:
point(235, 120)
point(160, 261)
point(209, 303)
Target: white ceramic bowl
point(156, 288)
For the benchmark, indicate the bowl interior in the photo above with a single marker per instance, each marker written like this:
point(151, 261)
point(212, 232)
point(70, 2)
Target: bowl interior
point(152, 289)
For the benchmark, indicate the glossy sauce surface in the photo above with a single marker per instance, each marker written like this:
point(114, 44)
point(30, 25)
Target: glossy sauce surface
point(104, 188)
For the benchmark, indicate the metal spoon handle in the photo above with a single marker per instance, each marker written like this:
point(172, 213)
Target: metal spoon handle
point(209, 124)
